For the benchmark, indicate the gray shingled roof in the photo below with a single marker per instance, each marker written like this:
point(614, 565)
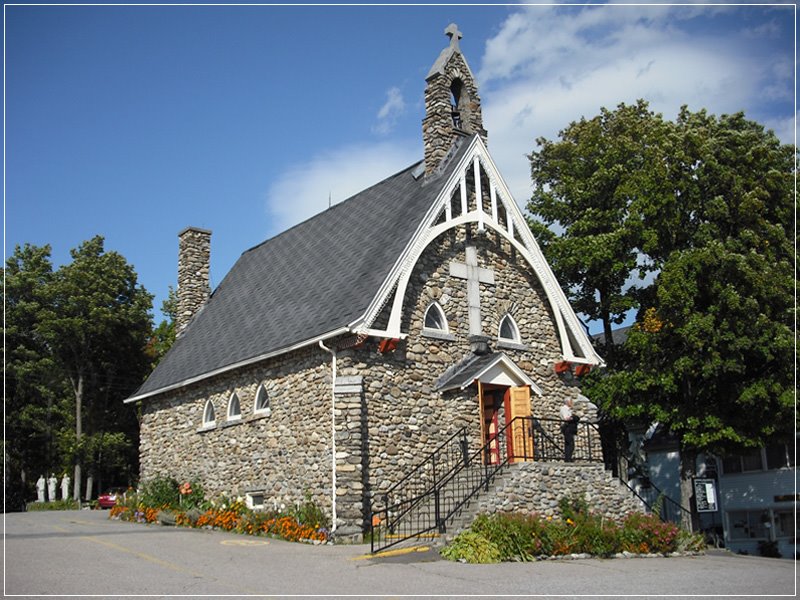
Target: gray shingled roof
point(312, 279)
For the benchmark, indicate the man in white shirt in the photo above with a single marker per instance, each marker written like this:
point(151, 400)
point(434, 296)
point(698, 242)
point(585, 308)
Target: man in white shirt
point(569, 427)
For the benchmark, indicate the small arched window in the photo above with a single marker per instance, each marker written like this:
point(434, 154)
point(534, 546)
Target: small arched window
point(509, 331)
point(208, 415)
point(234, 408)
point(456, 88)
point(435, 319)
point(262, 401)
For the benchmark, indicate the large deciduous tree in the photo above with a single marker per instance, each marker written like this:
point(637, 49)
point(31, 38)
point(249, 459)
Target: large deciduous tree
point(35, 395)
point(711, 353)
point(95, 324)
point(593, 185)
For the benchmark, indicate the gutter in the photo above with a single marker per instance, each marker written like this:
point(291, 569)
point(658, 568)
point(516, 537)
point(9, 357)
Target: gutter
point(243, 363)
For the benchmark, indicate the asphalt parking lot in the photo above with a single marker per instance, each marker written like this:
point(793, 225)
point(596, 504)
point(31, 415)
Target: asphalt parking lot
point(83, 552)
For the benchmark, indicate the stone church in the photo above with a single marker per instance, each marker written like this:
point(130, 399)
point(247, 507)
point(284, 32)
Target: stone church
point(334, 357)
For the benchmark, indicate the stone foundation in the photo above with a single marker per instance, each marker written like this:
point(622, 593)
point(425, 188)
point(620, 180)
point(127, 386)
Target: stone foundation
point(538, 487)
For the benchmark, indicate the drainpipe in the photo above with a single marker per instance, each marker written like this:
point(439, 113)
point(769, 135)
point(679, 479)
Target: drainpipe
point(333, 435)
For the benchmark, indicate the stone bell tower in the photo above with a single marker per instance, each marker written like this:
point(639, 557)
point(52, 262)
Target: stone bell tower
point(452, 104)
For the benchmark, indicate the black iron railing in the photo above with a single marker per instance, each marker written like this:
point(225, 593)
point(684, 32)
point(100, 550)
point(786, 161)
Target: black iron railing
point(656, 501)
point(441, 486)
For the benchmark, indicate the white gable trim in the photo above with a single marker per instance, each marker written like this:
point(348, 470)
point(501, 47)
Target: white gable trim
point(515, 227)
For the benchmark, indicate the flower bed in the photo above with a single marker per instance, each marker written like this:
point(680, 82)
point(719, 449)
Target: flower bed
point(184, 505)
point(523, 537)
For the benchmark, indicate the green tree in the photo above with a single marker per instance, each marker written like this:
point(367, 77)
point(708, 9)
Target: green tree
point(36, 399)
point(711, 354)
point(593, 185)
point(164, 334)
point(95, 325)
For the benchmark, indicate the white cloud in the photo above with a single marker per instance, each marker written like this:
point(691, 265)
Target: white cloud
point(304, 188)
point(389, 112)
point(549, 66)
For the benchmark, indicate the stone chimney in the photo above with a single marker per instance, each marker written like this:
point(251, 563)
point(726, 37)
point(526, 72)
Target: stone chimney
point(194, 254)
point(452, 104)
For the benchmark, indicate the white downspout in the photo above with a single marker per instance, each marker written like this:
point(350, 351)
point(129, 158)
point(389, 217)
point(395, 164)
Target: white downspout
point(333, 435)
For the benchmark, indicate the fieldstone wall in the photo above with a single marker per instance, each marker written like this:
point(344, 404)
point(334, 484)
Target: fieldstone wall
point(389, 414)
point(285, 453)
point(194, 253)
point(407, 418)
point(537, 488)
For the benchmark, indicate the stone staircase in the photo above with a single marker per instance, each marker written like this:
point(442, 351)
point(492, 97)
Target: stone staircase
point(533, 487)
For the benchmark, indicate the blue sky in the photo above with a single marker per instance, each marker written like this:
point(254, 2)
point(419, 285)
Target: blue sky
point(134, 122)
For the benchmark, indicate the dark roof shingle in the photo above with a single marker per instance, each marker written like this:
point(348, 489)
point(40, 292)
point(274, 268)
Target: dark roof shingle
point(312, 279)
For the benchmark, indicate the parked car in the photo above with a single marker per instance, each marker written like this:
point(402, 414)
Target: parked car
point(109, 499)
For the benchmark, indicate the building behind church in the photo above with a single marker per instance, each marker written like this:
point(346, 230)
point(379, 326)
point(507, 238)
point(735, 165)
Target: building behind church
point(334, 357)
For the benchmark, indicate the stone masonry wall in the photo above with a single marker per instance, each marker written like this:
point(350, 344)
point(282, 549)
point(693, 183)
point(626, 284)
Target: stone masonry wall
point(537, 488)
point(389, 414)
point(407, 418)
point(284, 453)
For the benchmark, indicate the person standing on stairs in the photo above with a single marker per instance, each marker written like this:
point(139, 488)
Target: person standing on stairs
point(569, 428)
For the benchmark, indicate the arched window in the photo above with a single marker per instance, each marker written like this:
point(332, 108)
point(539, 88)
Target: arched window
point(435, 319)
point(234, 408)
point(456, 88)
point(509, 331)
point(261, 405)
point(208, 415)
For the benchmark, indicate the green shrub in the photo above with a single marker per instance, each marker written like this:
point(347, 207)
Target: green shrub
point(517, 536)
point(645, 534)
point(471, 547)
point(55, 505)
point(160, 492)
point(573, 508)
point(310, 513)
point(191, 494)
point(521, 537)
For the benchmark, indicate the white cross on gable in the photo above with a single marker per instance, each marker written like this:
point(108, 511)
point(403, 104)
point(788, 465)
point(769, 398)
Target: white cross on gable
point(474, 275)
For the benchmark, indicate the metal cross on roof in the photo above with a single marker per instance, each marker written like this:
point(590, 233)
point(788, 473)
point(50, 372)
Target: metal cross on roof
point(454, 34)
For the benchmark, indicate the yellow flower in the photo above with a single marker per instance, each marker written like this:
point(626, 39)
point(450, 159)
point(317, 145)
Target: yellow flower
point(570, 522)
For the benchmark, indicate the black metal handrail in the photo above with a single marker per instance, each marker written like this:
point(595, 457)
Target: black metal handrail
point(656, 501)
point(427, 509)
point(425, 475)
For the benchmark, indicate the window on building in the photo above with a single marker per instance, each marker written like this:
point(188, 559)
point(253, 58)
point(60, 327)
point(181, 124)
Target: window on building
point(748, 524)
point(742, 463)
point(508, 329)
point(234, 408)
point(262, 401)
point(779, 456)
point(208, 415)
point(435, 319)
point(254, 500)
point(785, 524)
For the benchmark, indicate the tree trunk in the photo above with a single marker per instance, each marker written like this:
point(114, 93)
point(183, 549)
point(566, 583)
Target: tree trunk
point(689, 520)
point(89, 485)
point(76, 494)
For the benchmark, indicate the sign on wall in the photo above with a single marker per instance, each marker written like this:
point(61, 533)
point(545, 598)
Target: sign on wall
point(705, 495)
